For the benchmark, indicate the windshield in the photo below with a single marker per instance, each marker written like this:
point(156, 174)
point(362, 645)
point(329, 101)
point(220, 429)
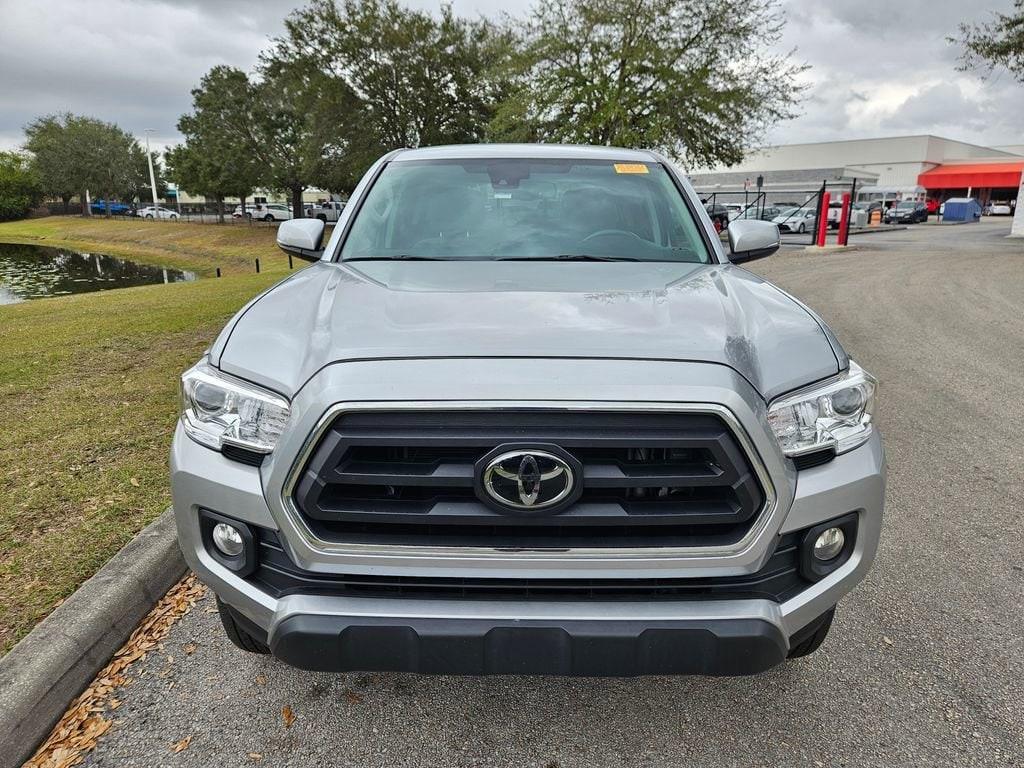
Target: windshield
point(906, 206)
point(488, 209)
point(790, 212)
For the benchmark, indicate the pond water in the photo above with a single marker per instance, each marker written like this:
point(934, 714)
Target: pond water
point(36, 271)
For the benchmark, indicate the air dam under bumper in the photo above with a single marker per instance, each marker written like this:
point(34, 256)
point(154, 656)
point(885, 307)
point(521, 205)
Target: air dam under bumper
point(331, 643)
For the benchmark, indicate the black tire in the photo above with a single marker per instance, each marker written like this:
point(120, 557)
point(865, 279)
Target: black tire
point(800, 229)
point(322, 217)
point(237, 634)
point(809, 639)
point(268, 217)
point(149, 215)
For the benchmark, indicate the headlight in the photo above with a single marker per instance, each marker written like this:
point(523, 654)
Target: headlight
point(837, 415)
point(217, 410)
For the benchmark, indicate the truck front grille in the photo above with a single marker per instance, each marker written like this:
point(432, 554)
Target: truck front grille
point(649, 480)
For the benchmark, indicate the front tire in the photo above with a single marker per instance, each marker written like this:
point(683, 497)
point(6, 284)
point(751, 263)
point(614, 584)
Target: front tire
point(809, 639)
point(800, 229)
point(149, 215)
point(237, 634)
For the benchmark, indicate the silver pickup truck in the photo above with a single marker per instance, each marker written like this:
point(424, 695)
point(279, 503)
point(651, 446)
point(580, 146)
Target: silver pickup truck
point(525, 415)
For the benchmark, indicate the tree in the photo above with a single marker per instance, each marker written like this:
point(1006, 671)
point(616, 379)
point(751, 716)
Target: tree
point(692, 78)
point(219, 157)
point(20, 187)
point(53, 159)
point(73, 154)
point(1000, 43)
point(372, 75)
point(106, 157)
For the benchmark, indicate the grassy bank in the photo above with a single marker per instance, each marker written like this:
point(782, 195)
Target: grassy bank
point(88, 386)
point(201, 248)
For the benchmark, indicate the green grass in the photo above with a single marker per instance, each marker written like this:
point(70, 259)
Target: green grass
point(197, 247)
point(88, 386)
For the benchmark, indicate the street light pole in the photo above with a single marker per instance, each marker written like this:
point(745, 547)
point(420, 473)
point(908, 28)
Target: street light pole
point(152, 177)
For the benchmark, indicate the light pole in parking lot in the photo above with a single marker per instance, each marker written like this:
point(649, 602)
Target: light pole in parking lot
point(152, 177)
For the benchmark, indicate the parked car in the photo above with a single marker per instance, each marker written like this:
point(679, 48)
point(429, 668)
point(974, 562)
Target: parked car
point(797, 220)
point(907, 212)
point(835, 214)
point(238, 213)
point(719, 215)
point(643, 461)
point(156, 212)
point(868, 206)
point(272, 212)
point(998, 208)
point(329, 210)
point(116, 208)
point(754, 212)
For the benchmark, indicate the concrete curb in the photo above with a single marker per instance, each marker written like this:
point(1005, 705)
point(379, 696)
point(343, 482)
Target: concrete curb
point(55, 662)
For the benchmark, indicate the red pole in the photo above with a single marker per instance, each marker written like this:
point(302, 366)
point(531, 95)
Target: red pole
point(823, 219)
point(844, 220)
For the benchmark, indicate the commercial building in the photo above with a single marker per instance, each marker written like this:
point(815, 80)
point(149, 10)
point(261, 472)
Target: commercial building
point(896, 168)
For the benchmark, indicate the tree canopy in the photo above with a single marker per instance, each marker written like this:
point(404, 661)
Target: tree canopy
point(999, 43)
point(691, 78)
point(74, 153)
point(20, 187)
point(219, 156)
point(349, 80)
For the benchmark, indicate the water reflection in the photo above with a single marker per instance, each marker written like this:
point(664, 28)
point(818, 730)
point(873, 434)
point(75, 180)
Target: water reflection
point(36, 271)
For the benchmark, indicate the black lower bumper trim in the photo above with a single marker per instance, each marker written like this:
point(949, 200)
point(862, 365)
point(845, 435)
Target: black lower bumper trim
point(491, 647)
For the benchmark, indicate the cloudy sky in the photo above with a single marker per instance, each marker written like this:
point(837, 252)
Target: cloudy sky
point(878, 67)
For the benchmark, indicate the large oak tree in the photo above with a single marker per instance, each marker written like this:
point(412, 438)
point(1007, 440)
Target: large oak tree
point(694, 78)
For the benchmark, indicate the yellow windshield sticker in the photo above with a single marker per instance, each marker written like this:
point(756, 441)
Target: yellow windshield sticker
point(630, 168)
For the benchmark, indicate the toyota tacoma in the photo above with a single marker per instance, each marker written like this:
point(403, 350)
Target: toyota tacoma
point(523, 414)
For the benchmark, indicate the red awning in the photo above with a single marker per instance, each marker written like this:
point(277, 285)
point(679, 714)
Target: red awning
point(972, 175)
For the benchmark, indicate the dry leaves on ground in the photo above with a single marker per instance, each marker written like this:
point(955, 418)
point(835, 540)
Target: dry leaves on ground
point(288, 716)
point(78, 730)
point(181, 746)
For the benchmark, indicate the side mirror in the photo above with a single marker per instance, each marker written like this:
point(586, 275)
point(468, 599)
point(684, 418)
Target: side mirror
point(752, 239)
point(302, 238)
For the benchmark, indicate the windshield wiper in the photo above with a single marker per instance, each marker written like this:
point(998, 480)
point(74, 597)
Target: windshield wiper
point(568, 257)
point(397, 257)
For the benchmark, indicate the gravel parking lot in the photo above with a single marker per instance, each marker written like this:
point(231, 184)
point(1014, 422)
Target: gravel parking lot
point(923, 663)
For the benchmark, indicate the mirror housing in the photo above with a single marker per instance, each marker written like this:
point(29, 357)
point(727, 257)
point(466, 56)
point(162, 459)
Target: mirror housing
point(302, 238)
point(753, 239)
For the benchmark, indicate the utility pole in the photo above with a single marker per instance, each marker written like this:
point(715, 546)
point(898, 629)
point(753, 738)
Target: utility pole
point(152, 177)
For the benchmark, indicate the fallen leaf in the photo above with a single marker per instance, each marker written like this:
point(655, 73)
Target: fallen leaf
point(288, 716)
point(352, 697)
point(76, 733)
point(134, 481)
point(261, 680)
point(255, 756)
point(887, 640)
point(189, 648)
point(182, 745)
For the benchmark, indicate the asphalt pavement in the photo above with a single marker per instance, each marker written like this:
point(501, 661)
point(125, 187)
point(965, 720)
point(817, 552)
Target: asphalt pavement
point(923, 664)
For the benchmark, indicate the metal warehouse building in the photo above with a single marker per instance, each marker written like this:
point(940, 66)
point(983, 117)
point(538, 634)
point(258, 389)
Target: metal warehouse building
point(897, 168)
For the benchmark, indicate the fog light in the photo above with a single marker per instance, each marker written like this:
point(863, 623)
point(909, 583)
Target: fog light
point(229, 541)
point(827, 546)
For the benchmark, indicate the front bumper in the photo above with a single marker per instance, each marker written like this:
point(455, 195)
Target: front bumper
point(586, 647)
point(565, 636)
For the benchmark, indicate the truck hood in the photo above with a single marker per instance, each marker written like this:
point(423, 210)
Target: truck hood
point(374, 310)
